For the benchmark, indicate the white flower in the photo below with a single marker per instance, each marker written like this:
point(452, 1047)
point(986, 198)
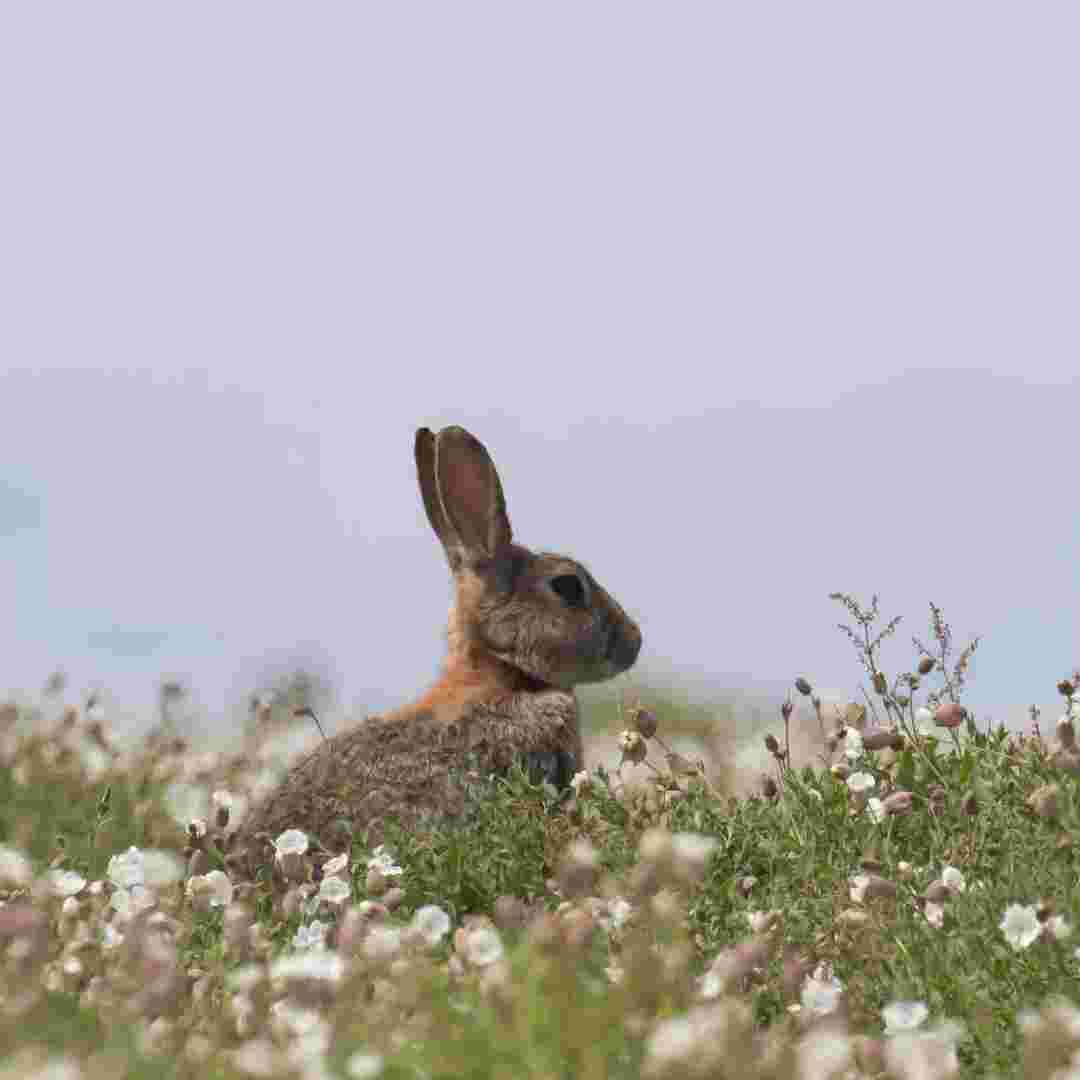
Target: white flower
point(310, 964)
point(821, 991)
point(710, 985)
point(924, 721)
point(289, 842)
point(334, 891)
point(312, 936)
point(161, 868)
point(126, 870)
point(859, 884)
point(875, 809)
point(1020, 925)
point(904, 1016)
point(853, 744)
point(129, 902)
point(364, 1066)
point(672, 1041)
point(186, 802)
point(483, 946)
point(693, 849)
point(860, 782)
point(15, 869)
point(432, 924)
point(383, 861)
point(924, 1055)
point(65, 882)
point(953, 880)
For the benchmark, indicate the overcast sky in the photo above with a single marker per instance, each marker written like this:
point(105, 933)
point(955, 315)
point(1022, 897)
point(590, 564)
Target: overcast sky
point(750, 302)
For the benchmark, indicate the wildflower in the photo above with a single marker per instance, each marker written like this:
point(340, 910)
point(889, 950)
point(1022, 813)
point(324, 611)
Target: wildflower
point(383, 861)
point(633, 747)
point(289, 842)
point(334, 891)
point(924, 721)
point(953, 880)
point(861, 782)
point(187, 802)
point(853, 744)
point(822, 991)
point(364, 1066)
point(903, 1016)
point(483, 946)
point(875, 809)
point(1020, 925)
point(161, 868)
point(15, 869)
point(922, 1055)
point(431, 924)
point(126, 870)
point(65, 882)
point(311, 937)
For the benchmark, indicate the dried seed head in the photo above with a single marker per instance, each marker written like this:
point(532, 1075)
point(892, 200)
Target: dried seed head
point(926, 665)
point(1066, 732)
point(803, 686)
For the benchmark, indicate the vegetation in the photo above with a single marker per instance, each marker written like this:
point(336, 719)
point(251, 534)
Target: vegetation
point(901, 906)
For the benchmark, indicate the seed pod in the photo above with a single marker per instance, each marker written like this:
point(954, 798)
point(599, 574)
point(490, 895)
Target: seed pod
point(771, 744)
point(926, 665)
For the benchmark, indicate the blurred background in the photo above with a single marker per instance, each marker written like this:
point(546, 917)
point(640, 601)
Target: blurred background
point(751, 303)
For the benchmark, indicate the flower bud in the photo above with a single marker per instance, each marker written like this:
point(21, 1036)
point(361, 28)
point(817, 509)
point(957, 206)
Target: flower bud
point(803, 686)
point(926, 665)
point(771, 744)
point(644, 722)
point(950, 715)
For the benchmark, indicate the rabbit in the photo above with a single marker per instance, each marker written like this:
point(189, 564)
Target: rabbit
point(525, 629)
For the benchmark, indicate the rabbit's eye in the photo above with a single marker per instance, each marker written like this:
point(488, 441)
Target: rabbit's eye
point(570, 588)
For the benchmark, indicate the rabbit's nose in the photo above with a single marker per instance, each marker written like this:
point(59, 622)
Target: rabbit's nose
point(624, 646)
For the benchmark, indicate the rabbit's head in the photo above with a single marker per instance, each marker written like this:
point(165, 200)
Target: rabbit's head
point(542, 614)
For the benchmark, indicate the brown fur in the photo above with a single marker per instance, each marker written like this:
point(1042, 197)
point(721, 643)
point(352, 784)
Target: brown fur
point(523, 631)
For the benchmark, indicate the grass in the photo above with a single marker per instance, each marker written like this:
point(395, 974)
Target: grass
point(663, 930)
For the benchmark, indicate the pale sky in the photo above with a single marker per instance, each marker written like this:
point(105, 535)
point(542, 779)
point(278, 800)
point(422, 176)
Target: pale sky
point(750, 303)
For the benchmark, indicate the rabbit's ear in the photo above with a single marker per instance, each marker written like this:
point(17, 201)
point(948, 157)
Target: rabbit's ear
point(429, 492)
point(470, 494)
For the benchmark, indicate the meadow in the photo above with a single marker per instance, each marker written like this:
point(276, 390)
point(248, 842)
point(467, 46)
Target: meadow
point(899, 902)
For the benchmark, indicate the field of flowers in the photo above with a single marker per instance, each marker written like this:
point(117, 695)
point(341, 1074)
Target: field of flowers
point(903, 907)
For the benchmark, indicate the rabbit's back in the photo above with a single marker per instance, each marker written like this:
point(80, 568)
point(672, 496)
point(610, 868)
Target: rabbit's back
point(411, 766)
